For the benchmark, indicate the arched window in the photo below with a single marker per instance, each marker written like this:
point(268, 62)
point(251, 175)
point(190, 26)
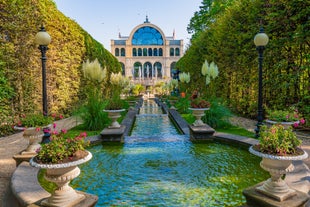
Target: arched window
point(147, 36)
point(158, 70)
point(123, 52)
point(173, 70)
point(155, 52)
point(171, 51)
point(123, 69)
point(134, 51)
point(147, 70)
point(139, 52)
point(137, 70)
point(177, 51)
point(116, 52)
point(144, 52)
point(160, 52)
point(150, 52)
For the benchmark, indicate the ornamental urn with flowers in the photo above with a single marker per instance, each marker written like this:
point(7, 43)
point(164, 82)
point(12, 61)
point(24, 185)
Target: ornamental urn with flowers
point(33, 126)
point(198, 106)
point(61, 157)
point(278, 146)
point(287, 118)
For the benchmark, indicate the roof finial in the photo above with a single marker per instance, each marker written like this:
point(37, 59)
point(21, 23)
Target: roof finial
point(146, 19)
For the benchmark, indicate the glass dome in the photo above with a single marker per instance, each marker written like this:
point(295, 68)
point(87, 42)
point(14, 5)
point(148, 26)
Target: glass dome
point(147, 36)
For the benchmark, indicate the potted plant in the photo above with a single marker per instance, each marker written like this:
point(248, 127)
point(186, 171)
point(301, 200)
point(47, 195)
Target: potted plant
point(115, 105)
point(114, 108)
point(284, 117)
point(61, 158)
point(33, 126)
point(278, 146)
point(198, 106)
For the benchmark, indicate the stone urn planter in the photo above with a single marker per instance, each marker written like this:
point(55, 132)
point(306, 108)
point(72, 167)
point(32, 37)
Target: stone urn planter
point(277, 166)
point(198, 113)
point(114, 115)
point(61, 175)
point(34, 136)
point(286, 124)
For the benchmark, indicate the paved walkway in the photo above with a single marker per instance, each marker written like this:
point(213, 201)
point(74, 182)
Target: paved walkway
point(12, 145)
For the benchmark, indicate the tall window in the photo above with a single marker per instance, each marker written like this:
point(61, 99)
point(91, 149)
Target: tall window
point(123, 52)
point(134, 52)
point(139, 52)
point(116, 52)
point(144, 51)
point(177, 51)
point(155, 52)
point(123, 69)
point(150, 52)
point(137, 70)
point(160, 52)
point(171, 51)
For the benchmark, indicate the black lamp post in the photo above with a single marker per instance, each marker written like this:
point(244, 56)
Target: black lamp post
point(260, 40)
point(42, 38)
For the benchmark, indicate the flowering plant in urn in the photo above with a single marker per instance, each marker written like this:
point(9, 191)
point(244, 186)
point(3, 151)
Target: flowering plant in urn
point(62, 149)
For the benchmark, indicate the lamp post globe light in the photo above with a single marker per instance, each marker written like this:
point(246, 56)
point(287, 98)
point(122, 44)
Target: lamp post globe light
point(42, 38)
point(260, 41)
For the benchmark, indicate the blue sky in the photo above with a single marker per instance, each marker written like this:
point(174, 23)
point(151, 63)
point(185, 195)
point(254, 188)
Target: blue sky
point(104, 19)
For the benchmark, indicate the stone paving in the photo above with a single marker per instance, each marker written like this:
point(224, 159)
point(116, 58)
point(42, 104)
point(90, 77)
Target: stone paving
point(12, 145)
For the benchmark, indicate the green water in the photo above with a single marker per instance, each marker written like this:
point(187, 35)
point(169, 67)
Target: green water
point(156, 166)
point(172, 173)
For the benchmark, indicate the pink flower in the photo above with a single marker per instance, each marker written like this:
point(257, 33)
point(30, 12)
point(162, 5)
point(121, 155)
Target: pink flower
point(295, 124)
point(83, 134)
point(55, 132)
point(61, 116)
point(54, 125)
point(38, 150)
point(46, 130)
point(302, 121)
point(64, 131)
point(53, 115)
point(38, 129)
point(287, 117)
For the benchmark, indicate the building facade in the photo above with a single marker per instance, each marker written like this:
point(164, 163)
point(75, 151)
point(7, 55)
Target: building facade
point(147, 55)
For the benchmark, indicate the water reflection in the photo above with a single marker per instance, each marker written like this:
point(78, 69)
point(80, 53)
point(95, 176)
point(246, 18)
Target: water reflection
point(156, 166)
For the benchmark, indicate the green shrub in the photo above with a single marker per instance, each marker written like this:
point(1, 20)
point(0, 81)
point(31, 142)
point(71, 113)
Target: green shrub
point(92, 114)
point(182, 105)
point(218, 115)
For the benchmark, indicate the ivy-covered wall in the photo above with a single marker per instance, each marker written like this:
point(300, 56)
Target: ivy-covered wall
point(228, 41)
point(20, 63)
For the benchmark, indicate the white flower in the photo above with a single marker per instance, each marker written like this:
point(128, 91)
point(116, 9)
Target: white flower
point(184, 77)
point(204, 68)
point(93, 71)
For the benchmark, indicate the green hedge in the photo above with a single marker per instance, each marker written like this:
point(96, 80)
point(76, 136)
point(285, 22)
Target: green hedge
point(20, 63)
point(228, 41)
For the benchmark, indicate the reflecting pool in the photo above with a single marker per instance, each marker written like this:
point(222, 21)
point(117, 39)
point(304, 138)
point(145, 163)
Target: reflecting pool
point(157, 166)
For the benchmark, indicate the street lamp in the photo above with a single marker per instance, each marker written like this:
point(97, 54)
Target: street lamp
point(42, 38)
point(260, 40)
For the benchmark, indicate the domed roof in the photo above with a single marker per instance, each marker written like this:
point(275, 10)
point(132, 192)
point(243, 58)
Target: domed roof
point(147, 34)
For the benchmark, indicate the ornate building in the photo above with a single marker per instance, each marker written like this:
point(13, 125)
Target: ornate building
point(147, 55)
